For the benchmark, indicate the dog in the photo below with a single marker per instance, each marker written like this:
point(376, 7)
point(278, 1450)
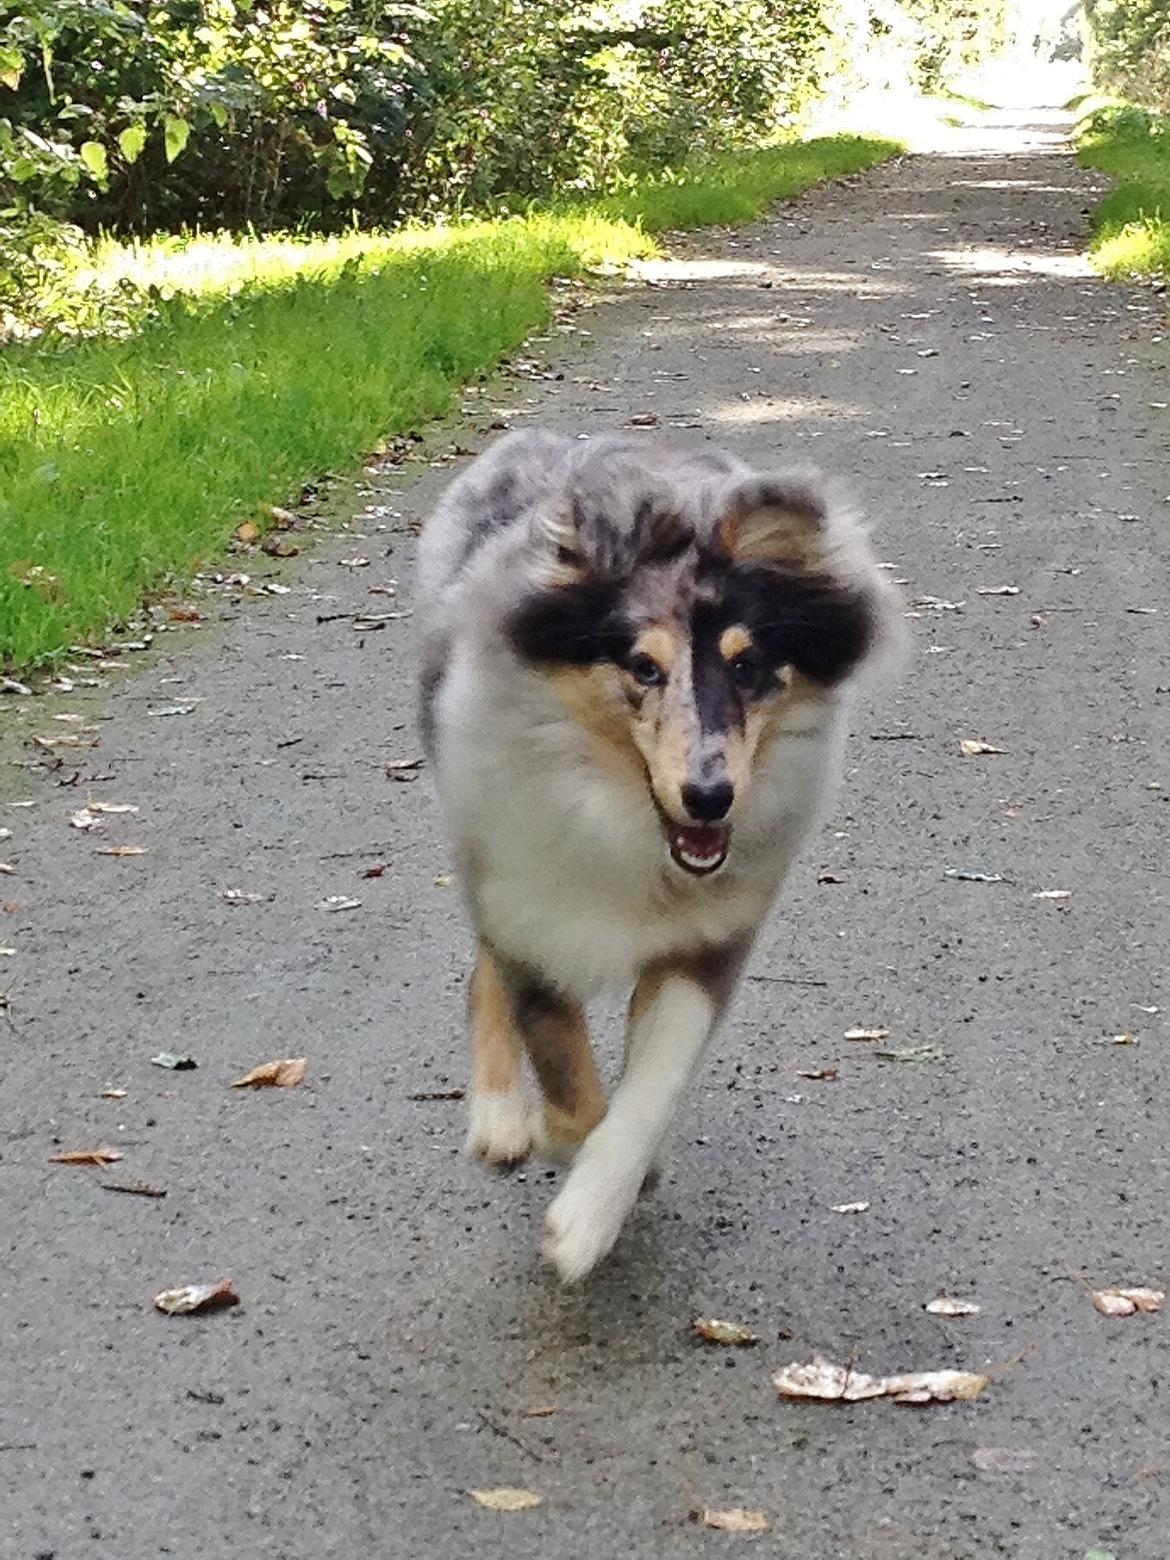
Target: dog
point(636, 662)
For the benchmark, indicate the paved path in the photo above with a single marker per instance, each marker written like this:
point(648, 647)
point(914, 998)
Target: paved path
point(928, 331)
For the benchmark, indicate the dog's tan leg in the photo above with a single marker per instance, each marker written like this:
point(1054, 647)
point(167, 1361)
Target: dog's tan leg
point(557, 1038)
point(498, 1131)
point(674, 1011)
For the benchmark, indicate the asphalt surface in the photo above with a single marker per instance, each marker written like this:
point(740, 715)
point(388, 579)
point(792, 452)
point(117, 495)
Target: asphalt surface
point(928, 332)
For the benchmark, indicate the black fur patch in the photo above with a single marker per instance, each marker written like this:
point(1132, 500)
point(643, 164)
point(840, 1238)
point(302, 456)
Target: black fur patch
point(811, 622)
point(572, 625)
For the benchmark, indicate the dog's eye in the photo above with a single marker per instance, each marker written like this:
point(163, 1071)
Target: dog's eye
point(745, 670)
point(646, 670)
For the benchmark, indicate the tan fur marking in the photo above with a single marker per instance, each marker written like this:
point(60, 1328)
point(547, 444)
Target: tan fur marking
point(661, 644)
point(734, 641)
point(496, 1050)
point(562, 1058)
point(592, 695)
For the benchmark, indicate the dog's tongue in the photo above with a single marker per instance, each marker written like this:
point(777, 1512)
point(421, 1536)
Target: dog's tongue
point(699, 847)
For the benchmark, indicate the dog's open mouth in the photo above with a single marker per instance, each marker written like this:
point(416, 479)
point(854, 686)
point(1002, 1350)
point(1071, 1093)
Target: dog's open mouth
point(699, 847)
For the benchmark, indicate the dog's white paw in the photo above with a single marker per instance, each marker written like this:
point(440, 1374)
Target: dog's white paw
point(500, 1129)
point(586, 1218)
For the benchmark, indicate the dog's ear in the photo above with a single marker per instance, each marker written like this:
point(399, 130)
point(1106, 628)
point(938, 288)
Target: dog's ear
point(778, 517)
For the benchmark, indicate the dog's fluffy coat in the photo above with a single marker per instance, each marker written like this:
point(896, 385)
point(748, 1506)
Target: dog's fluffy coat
point(634, 675)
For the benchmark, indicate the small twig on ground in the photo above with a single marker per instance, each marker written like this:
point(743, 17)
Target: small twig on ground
point(506, 1434)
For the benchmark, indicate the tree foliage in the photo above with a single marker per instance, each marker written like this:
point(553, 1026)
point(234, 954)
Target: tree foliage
point(1130, 46)
point(135, 116)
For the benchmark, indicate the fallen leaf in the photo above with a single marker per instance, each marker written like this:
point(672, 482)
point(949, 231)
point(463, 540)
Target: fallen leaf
point(970, 747)
point(175, 1063)
point(438, 1094)
point(171, 709)
point(997, 590)
point(87, 1156)
point(643, 420)
point(541, 1411)
point(828, 1383)
point(733, 1334)
point(239, 896)
point(398, 766)
point(188, 1298)
point(1053, 893)
point(818, 1074)
point(110, 807)
point(444, 880)
point(281, 1074)
point(279, 517)
point(114, 1094)
point(913, 1053)
point(84, 819)
point(867, 1034)
point(7, 868)
point(339, 902)
point(353, 563)
point(1115, 1301)
point(135, 1188)
point(1003, 1459)
point(1126, 1039)
point(735, 1519)
point(121, 850)
point(506, 1499)
point(963, 876)
point(247, 533)
point(375, 871)
point(945, 1305)
point(853, 1207)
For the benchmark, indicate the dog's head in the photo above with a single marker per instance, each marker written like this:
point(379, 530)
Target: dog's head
point(688, 615)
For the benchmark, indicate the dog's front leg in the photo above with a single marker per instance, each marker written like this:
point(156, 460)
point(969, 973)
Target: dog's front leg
point(674, 1011)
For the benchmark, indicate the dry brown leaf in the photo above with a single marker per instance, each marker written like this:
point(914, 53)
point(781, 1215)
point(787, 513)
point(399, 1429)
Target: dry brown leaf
point(240, 896)
point(736, 1519)
point(110, 807)
point(853, 1207)
point(121, 850)
point(971, 747)
point(114, 1094)
point(540, 1411)
point(188, 1298)
point(87, 1156)
point(828, 1383)
point(818, 1074)
point(505, 1498)
point(247, 533)
point(281, 1074)
point(867, 1034)
point(734, 1334)
point(946, 1305)
point(1116, 1301)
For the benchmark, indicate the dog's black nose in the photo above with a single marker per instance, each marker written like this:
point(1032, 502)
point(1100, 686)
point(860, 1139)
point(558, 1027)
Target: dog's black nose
point(709, 801)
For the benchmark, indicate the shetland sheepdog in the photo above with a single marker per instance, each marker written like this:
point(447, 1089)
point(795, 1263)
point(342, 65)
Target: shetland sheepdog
point(635, 670)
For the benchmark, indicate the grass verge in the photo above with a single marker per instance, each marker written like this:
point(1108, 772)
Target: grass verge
point(126, 462)
point(1131, 226)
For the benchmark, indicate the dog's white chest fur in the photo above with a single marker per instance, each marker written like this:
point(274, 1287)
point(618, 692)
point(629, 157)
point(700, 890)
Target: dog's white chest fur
point(567, 865)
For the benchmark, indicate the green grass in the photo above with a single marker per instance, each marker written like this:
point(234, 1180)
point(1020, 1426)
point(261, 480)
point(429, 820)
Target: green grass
point(124, 463)
point(1131, 226)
